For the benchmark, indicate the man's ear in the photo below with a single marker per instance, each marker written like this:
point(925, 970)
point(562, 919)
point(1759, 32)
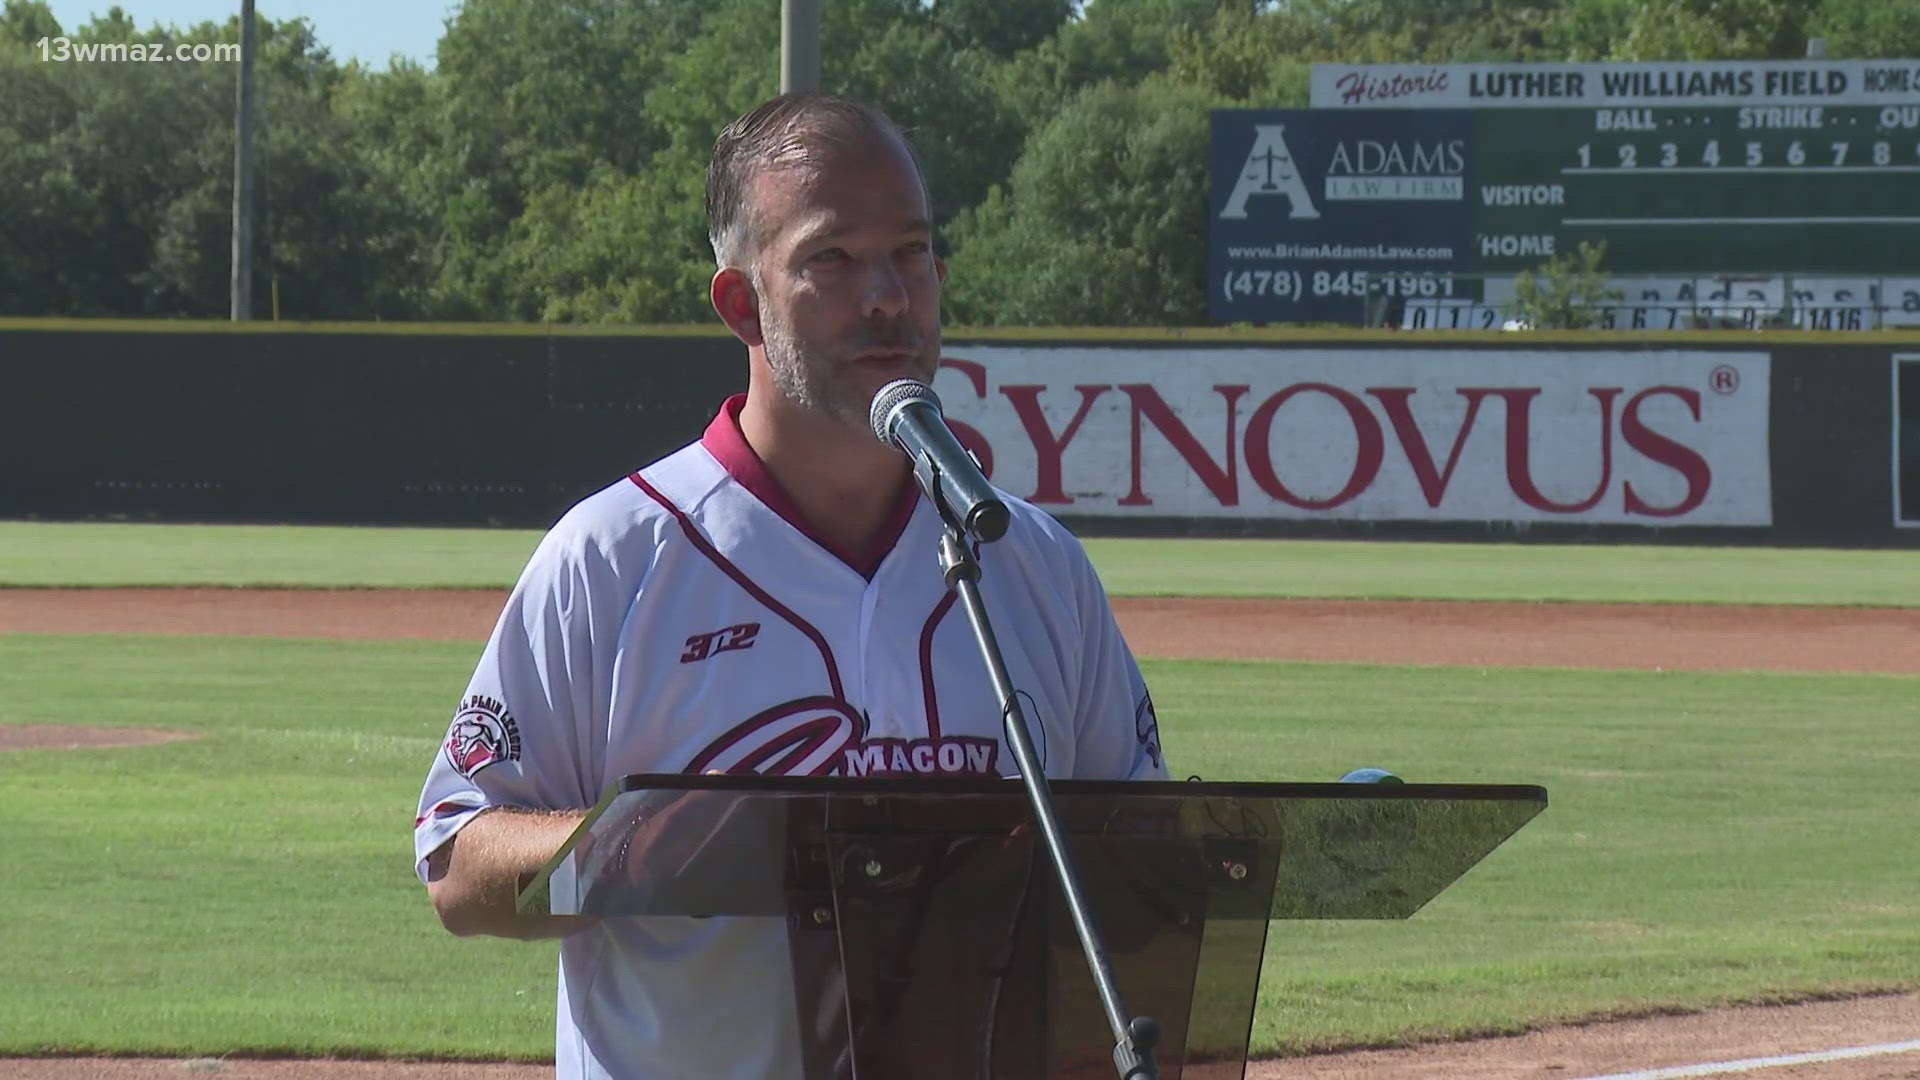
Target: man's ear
point(737, 304)
point(940, 269)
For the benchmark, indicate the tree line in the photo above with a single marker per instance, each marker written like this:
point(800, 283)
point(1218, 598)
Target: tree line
point(550, 166)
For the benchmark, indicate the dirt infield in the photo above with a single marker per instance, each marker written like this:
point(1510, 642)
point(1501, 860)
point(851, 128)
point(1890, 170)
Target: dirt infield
point(1644, 637)
point(1669, 637)
point(1566, 1053)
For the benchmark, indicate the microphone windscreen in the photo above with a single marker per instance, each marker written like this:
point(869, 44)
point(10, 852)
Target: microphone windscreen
point(890, 397)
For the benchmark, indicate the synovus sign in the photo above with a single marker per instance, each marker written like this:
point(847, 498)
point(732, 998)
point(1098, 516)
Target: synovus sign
point(1657, 438)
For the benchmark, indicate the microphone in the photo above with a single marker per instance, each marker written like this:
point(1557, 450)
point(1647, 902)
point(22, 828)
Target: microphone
point(906, 413)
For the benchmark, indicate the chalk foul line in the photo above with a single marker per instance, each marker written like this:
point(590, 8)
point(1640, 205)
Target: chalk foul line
point(1751, 1064)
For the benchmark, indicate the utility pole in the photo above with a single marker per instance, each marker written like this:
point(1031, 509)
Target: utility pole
point(240, 291)
point(799, 45)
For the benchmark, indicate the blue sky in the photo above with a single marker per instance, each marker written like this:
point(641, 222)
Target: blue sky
point(367, 30)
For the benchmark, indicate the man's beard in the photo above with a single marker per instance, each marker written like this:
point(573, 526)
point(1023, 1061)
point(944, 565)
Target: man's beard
point(827, 385)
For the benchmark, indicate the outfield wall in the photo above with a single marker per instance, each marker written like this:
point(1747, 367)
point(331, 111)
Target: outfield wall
point(1704, 437)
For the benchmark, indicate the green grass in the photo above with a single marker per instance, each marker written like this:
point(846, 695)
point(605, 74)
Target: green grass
point(51, 554)
point(1622, 573)
point(1711, 838)
point(252, 890)
point(44, 554)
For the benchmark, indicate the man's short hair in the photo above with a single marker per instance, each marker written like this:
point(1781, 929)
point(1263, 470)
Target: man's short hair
point(782, 132)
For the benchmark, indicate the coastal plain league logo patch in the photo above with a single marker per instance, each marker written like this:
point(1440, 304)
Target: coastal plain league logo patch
point(483, 733)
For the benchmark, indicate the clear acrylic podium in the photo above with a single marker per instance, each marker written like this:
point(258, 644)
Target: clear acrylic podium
point(926, 936)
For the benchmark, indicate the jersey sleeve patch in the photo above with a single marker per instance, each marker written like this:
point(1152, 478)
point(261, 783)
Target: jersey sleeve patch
point(483, 734)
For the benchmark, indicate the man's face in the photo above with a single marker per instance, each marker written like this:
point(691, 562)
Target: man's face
point(849, 287)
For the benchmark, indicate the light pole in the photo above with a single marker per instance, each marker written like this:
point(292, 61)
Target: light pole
point(799, 45)
point(240, 287)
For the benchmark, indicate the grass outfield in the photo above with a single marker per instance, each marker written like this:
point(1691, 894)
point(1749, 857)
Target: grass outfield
point(1711, 838)
point(33, 553)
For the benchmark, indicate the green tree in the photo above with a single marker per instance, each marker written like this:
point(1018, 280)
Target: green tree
point(1568, 293)
point(995, 26)
point(893, 53)
point(89, 156)
point(1104, 220)
point(555, 90)
point(23, 22)
point(626, 241)
point(966, 140)
point(1867, 28)
point(1714, 30)
point(1257, 58)
point(630, 244)
point(1118, 41)
point(617, 249)
point(394, 124)
point(537, 95)
point(1451, 31)
point(48, 242)
point(119, 179)
point(333, 237)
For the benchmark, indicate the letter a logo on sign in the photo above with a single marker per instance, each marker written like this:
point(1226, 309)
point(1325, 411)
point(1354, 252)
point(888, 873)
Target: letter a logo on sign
point(1269, 171)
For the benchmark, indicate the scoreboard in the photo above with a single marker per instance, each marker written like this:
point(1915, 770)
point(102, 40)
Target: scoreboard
point(1437, 184)
point(1727, 189)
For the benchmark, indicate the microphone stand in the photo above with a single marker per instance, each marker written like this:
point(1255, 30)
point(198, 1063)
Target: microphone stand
point(1134, 1039)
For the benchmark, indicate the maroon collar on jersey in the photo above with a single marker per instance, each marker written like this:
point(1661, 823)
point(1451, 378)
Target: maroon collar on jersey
point(724, 440)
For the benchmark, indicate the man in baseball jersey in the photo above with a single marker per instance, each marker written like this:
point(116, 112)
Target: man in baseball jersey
point(765, 600)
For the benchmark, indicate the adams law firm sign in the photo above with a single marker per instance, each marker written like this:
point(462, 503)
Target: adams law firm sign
point(1651, 438)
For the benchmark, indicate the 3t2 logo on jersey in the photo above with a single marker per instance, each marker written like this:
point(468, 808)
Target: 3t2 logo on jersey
point(725, 639)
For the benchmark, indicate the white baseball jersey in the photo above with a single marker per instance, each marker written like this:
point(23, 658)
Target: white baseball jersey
point(686, 619)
